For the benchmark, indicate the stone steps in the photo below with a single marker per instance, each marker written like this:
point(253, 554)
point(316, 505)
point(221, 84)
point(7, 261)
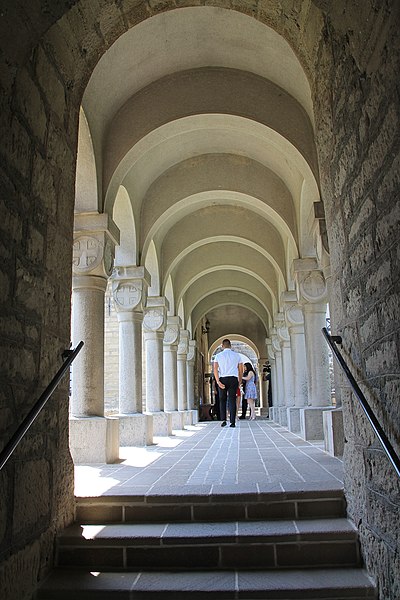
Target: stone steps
point(294, 504)
point(227, 545)
point(272, 546)
point(309, 584)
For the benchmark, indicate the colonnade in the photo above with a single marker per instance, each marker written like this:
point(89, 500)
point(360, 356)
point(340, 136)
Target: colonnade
point(299, 358)
point(168, 351)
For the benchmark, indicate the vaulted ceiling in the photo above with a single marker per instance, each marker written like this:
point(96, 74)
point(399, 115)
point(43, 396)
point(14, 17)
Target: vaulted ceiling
point(196, 135)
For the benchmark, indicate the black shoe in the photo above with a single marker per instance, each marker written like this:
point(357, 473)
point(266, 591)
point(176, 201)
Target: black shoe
point(232, 425)
point(240, 418)
point(223, 423)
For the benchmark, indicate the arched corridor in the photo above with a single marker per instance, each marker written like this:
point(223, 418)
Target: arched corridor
point(176, 174)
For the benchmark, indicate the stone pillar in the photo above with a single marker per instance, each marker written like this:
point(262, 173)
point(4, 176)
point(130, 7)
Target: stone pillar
point(93, 437)
point(287, 372)
point(263, 389)
point(311, 289)
point(272, 362)
point(183, 349)
point(171, 340)
point(154, 321)
point(279, 376)
point(333, 420)
point(190, 361)
point(295, 323)
point(129, 288)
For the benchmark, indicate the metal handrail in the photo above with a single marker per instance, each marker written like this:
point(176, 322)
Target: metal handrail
point(33, 413)
point(381, 435)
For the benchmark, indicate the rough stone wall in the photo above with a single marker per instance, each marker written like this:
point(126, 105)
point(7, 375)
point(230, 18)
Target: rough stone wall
point(350, 52)
point(37, 165)
point(358, 119)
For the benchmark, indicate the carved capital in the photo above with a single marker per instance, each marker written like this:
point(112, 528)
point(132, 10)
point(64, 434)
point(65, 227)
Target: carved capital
point(129, 288)
point(95, 237)
point(192, 351)
point(172, 331)
point(155, 314)
point(129, 294)
point(183, 346)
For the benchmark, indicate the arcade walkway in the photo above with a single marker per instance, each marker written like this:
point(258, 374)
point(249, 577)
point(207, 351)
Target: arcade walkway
point(256, 456)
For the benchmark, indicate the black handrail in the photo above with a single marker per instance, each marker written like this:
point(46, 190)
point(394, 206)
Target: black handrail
point(33, 413)
point(382, 437)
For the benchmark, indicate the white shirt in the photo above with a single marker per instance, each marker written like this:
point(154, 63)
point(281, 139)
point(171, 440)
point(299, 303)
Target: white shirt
point(228, 362)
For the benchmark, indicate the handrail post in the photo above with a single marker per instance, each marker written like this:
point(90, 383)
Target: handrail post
point(376, 426)
point(33, 413)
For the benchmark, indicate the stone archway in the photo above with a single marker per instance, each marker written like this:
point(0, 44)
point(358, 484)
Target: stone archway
point(355, 101)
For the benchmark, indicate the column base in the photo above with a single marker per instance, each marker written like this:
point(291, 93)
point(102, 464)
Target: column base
point(334, 432)
point(94, 439)
point(264, 412)
point(272, 410)
point(177, 421)
point(135, 429)
point(162, 423)
point(293, 417)
point(195, 416)
point(311, 424)
point(187, 417)
point(283, 418)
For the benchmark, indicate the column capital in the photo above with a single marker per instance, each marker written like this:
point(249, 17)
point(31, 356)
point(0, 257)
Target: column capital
point(276, 347)
point(281, 329)
point(95, 238)
point(270, 350)
point(183, 346)
point(155, 314)
point(310, 282)
point(172, 331)
point(293, 312)
point(129, 288)
point(191, 351)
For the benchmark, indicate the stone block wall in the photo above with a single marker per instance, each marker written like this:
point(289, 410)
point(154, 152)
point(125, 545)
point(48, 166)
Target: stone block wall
point(37, 166)
point(358, 116)
point(48, 50)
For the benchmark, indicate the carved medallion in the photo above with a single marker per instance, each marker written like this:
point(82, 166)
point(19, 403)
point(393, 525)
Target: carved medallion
point(313, 287)
point(153, 319)
point(171, 334)
point(87, 254)
point(127, 295)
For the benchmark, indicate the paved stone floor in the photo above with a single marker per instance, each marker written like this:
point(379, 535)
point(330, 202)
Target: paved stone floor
point(256, 456)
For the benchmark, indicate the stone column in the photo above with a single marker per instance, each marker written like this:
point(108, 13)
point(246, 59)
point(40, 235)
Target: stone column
point(171, 340)
point(295, 323)
point(287, 372)
point(129, 288)
point(154, 321)
point(279, 376)
point(263, 389)
point(190, 361)
point(183, 349)
point(272, 362)
point(311, 289)
point(333, 419)
point(93, 437)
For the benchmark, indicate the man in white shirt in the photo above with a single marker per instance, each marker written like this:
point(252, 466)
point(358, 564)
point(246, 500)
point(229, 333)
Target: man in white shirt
point(228, 371)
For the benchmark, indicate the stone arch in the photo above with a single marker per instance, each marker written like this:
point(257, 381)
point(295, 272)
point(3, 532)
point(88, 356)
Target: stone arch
point(169, 294)
point(126, 251)
point(152, 265)
point(86, 194)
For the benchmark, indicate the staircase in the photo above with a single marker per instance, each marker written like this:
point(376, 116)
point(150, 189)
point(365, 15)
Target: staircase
point(267, 546)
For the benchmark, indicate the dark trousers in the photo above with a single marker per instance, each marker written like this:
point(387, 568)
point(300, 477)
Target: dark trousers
point(244, 407)
point(228, 394)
